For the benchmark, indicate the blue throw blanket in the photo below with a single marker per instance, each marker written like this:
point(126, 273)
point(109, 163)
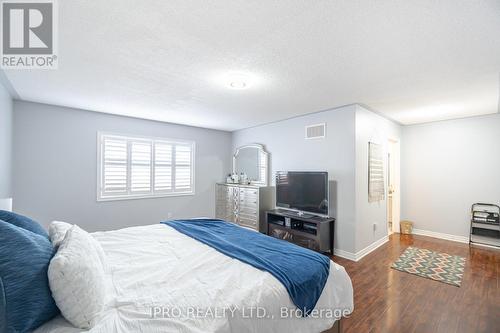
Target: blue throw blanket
point(303, 272)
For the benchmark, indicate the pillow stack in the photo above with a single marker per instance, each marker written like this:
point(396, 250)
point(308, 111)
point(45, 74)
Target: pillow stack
point(77, 276)
point(25, 297)
point(57, 232)
point(29, 264)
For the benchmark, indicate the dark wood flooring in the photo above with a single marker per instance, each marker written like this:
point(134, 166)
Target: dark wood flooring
point(387, 300)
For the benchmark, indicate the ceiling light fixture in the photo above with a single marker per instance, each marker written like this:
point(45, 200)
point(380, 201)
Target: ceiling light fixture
point(237, 80)
point(238, 84)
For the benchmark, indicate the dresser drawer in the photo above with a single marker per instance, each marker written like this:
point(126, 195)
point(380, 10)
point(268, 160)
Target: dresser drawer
point(224, 205)
point(224, 195)
point(250, 223)
point(250, 203)
point(224, 211)
point(249, 198)
point(249, 193)
point(223, 214)
point(242, 204)
point(250, 211)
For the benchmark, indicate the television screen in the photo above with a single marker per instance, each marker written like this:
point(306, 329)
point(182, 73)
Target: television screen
point(303, 191)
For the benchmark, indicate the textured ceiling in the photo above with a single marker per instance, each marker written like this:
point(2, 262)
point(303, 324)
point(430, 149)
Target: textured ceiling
point(413, 61)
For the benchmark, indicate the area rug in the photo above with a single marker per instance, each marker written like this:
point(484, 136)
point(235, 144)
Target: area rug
point(437, 266)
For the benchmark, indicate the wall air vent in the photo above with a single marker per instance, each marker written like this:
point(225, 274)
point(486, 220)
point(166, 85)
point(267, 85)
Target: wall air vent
point(317, 131)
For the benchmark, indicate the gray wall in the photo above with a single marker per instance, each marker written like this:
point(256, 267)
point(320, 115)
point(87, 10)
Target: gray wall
point(5, 143)
point(447, 166)
point(55, 168)
point(289, 150)
point(371, 127)
point(344, 154)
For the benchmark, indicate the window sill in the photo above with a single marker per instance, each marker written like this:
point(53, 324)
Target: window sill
point(136, 197)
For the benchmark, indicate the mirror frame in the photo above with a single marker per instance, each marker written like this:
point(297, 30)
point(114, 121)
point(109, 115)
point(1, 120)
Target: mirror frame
point(263, 153)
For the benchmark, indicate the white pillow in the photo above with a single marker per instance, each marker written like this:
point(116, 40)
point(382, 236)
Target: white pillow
point(57, 231)
point(77, 278)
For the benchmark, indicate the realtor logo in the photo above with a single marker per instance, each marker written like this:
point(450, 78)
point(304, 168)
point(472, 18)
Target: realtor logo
point(28, 34)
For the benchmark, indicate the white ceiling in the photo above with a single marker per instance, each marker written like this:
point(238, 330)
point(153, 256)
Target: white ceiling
point(413, 61)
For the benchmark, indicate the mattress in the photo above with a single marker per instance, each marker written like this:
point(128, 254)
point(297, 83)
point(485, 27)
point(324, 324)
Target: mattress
point(163, 281)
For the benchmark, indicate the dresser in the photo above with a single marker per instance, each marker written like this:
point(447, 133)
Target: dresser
point(245, 205)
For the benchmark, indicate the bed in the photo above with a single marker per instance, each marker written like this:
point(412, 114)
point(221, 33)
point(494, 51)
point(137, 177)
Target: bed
point(161, 280)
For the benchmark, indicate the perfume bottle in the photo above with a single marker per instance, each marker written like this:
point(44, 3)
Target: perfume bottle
point(235, 177)
point(243, 178)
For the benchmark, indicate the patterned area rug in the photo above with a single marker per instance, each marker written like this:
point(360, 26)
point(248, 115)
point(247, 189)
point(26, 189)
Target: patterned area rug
point(432, 265)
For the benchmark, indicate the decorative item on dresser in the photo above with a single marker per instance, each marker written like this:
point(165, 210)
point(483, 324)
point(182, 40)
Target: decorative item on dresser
point(244, 205)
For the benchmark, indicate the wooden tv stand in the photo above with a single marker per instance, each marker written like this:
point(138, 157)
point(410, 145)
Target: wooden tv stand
point(310, 231)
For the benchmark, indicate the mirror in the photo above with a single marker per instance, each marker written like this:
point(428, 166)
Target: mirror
point(252, 160)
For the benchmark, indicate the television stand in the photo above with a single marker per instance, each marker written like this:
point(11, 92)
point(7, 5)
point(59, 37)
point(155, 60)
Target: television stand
point(294, 213)
point(307, 230)
point(305, 215)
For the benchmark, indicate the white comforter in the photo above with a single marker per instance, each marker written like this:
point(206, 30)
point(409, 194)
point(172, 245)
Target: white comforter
point(163, 281)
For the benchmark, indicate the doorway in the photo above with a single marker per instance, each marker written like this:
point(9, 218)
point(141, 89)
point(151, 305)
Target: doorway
point(393, 190)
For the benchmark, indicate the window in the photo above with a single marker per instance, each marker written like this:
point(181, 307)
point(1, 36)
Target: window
point(137, 167)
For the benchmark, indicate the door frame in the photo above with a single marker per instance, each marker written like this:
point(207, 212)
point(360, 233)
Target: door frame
point(394, 148)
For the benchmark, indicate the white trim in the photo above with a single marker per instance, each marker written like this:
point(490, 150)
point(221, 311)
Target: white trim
point(142, 196)
point(395, 148)
point(372, 247)
point(152, 194)
point(364, 252)
point(344, 254)
point(454, 238)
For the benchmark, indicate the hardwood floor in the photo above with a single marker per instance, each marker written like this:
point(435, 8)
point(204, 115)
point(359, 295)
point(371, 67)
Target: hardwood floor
point(387, 300)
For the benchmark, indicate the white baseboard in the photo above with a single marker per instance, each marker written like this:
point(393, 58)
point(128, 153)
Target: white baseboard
point(454, 238)
point(358, 255)
point(345, 254)
point(372, 247)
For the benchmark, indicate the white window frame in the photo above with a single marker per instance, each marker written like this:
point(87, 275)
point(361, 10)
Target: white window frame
point(152, 194)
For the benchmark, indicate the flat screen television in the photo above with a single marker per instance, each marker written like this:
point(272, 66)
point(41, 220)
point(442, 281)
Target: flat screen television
point(302, 191)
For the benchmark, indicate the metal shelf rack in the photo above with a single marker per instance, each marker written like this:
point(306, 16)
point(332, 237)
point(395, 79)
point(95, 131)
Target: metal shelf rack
point(485, 224)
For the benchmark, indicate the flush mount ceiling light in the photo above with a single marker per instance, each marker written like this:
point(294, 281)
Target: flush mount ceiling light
point(238, 84)
point(238, 80)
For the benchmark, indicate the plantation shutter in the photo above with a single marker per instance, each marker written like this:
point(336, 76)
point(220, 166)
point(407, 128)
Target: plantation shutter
point(140, 166)
point(163, 167)
point(183, 168)
point(144, 167)
point(114, 166)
